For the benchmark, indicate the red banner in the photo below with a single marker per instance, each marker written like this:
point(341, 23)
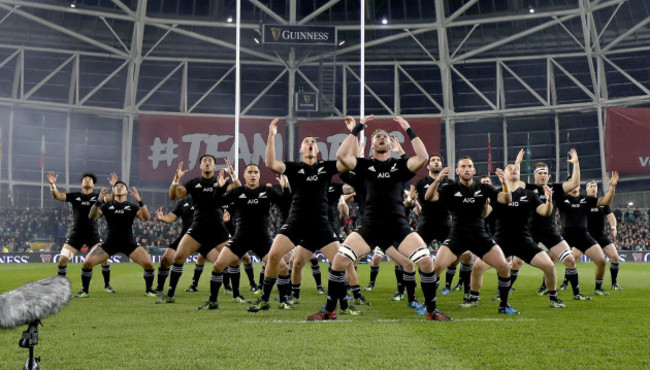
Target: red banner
point(627, 135)
point(164, 141)
point(330, 135)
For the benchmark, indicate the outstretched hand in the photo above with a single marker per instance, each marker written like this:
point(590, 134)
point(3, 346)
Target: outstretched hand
point(179, 172)
point(52, 177)
point(273, 127)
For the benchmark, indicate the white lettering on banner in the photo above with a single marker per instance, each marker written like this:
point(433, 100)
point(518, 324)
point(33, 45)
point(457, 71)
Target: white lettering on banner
point(162, 152)
point(166, 152)
point(644, 161)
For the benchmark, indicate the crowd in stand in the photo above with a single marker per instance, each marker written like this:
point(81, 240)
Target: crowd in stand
point(21, 230)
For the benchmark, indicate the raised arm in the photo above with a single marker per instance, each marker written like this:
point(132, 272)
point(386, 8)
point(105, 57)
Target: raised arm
point(609, 196)
point(143, 212)
point(574, 182)
point(546, 209)
point(421, 157)
point(432, 194)
point(166, 218)
point(346, 155)
point(505, 196)
point(270, 161)
point(233, 176)
point(95, 212)
point(56, 194)
point(176, 190)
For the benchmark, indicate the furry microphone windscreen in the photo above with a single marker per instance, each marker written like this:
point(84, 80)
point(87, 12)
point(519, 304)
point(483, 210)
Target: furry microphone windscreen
point(33, 301)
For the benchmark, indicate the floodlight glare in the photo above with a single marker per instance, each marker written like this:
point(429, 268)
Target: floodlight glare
point(384, 21)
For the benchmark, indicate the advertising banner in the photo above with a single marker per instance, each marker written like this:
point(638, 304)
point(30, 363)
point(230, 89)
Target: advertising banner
point(626, 140)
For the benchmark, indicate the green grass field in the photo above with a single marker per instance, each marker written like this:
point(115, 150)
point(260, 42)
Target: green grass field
point(127, 331)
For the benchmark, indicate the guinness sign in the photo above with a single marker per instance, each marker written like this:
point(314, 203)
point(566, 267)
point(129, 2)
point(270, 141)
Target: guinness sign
point(292, 35)
point(306, 102)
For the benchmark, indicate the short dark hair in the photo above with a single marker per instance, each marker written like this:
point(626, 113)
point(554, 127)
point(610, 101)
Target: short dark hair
point(540, 165)
point(439, 156)
point(120, 182)
point(485, 176)
point(208, 155)
point(91, 175)
point(463, 157)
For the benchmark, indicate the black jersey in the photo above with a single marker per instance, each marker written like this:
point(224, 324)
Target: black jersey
point(334, 192)
point(309, 184)
point(467, 204)
point(573, 210)
point(596, 219)
point(205, 195)
point(252, 209)
point(119, 221)
point(185, 211)
point(434, 214)
point(512, 218)
point(383, 183)
point(81, 204)
point(538, 223)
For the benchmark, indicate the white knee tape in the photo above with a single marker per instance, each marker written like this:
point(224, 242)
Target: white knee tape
point(564, 255)
point(65, 252)
point(419, 254)
point(379, 252)
point(346, 251)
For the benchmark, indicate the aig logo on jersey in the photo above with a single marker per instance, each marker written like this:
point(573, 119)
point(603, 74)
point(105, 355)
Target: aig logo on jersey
point(253, 201)
point(312, 178)
point(469, 200)
point(208, 190)
point(383, 175)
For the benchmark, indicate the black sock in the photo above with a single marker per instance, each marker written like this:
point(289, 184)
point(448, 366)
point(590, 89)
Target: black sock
point(399, 275)
point(544, 282)
point(261, 284)
point(162, 277)
point(269, 282)
point(315, 272)
point(295, 290)
point(198, 270)
point(465, 276)
point(177, 271)
point(106, 273)
point(473, 296)
point(513, 277)
point(148, 276)
point(552, 295)
point(449, 277)
point(428, 285)
point(63, 270)
point(284, 287)
point(235, 276)
point(86, 275)
point(504, 288)
point(409, 285)
point(599, 284)
point(572, 276)
point(374, 271)
point(226, 279)
point(216, 280)
point(613, 269)
point(335, 289)
point(248, 269)
point(356, 291)
point(566, 277)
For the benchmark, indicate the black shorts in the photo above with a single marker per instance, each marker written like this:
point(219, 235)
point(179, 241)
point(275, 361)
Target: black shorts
point(124, 247)
point(77, 240)
point(208, 236)
point(310, 234)
point(429, 233)
point(258, 244)
point(549, 238)
point(523, 247)
point(384, 234)
point(177, 241)
point(603, 240)
point(478, 242)
point(579, 238)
